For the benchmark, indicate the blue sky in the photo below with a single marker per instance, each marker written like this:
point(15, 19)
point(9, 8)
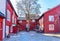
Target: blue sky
point(45, 4)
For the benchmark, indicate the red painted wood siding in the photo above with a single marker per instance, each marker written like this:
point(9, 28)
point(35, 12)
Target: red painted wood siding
point(11, 11)
point(55, 13)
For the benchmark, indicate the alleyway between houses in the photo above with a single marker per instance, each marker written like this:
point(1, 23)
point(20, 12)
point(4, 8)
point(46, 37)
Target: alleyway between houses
point(31, 36)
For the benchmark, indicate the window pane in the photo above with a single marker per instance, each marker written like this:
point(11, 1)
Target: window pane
point(51, 18)
point(8, 15)
point(51, 26)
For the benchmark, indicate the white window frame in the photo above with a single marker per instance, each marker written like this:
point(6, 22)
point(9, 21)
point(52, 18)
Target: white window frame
point(51, 18)
point(8, 15)
point(51, 26)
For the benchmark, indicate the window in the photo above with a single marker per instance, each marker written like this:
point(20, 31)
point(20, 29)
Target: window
point(51, 26)
point(13, 19)
point(51, 18)
point(33, 20)
point(8, 15)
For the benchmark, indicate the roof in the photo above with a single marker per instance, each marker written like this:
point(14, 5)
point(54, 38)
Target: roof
point(2, 15)
point(12, 6)
point(48, 11)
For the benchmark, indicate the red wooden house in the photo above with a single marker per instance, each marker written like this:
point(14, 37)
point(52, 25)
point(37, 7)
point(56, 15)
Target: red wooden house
point(6, 24)
point(11, 20)
point(51, 20)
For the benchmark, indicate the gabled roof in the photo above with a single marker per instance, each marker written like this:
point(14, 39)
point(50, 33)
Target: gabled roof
point(2, 15)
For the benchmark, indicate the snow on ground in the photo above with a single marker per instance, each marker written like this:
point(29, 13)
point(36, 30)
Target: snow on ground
point(31, 36)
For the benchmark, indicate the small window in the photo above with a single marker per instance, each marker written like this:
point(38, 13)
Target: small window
point(51, 18)
point(33, 20)
point(51, 26)
point(8, 15)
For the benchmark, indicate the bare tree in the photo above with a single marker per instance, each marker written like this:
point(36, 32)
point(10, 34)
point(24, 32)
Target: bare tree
point(28, 7)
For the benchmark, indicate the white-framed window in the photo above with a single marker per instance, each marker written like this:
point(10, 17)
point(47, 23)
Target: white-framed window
point(33, 20)
point(20, 21)
point(51, 26)
point(8, 15)
point(51, 18)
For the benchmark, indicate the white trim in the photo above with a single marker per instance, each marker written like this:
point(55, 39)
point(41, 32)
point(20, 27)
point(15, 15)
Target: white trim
point(3, 28)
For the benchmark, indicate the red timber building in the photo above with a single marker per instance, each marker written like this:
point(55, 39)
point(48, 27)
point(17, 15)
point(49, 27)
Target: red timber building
point(50, 20)
point(8, 18)
point(11, 21)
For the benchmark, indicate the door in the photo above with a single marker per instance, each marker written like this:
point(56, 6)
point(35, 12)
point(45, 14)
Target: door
point(7, 30)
